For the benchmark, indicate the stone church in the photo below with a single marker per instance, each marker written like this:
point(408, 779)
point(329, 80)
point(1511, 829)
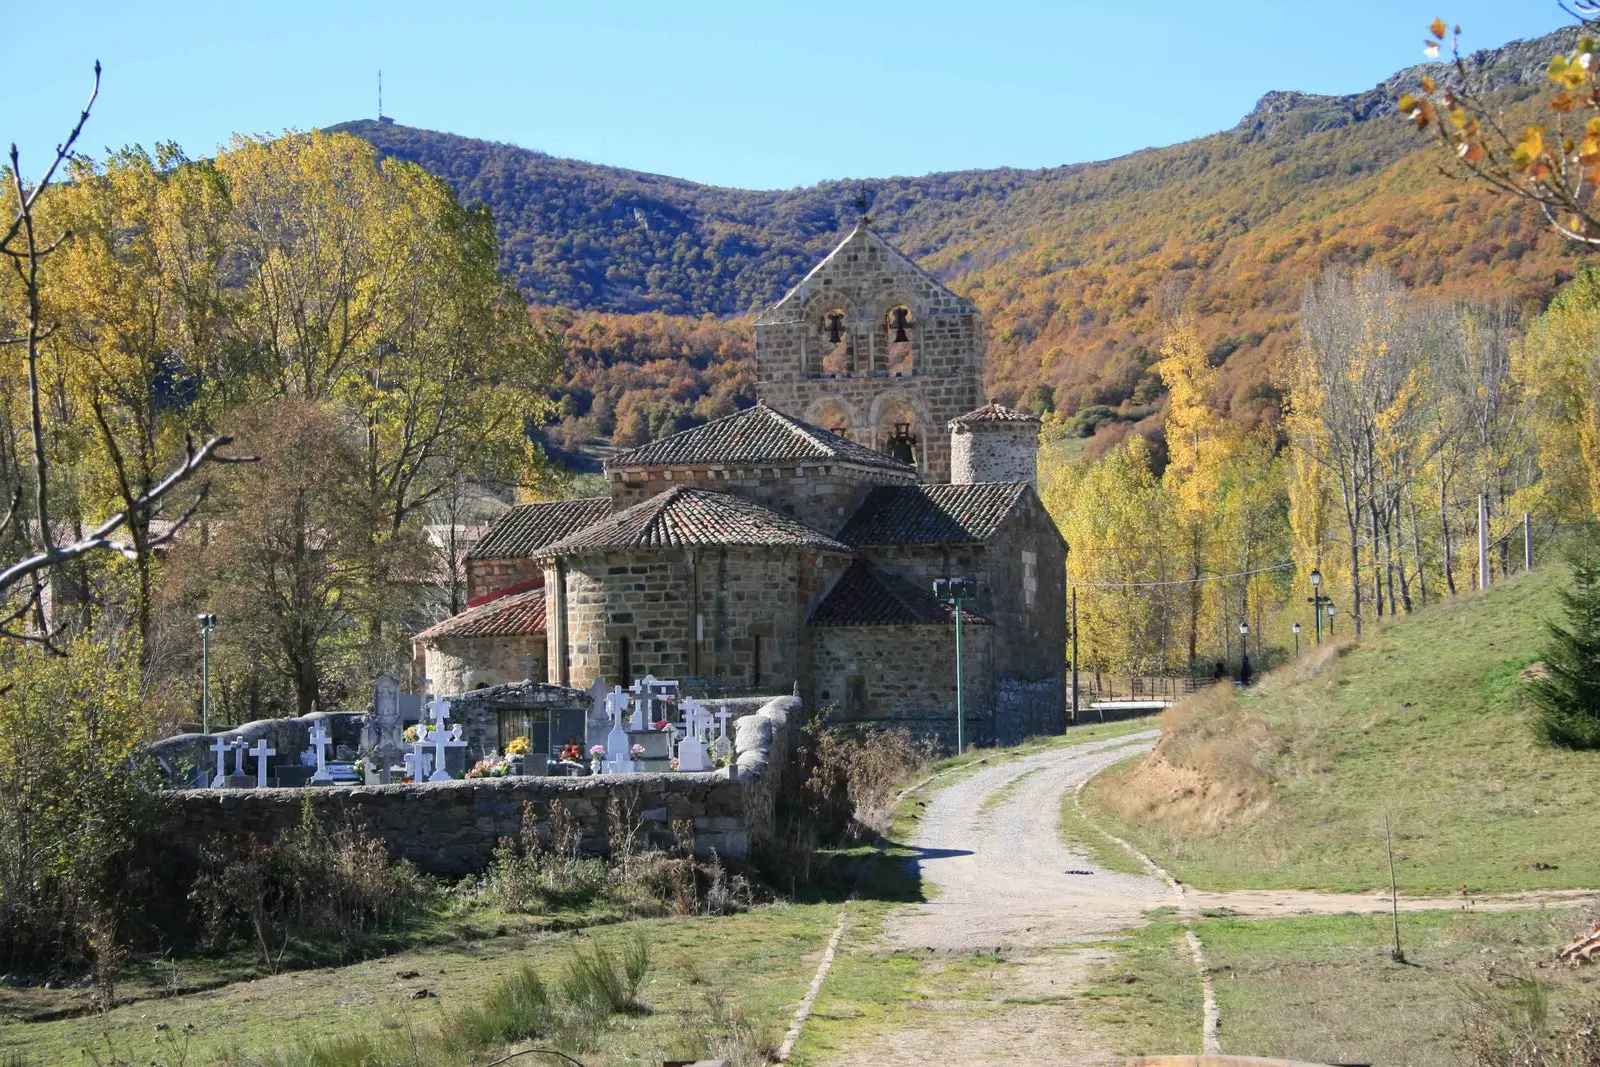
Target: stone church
point(795, 543)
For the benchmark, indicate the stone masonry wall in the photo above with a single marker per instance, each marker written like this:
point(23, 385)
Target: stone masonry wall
point(865, 279)
point(451, 828)
point(462, 664)
point(821, 495)
point(708, 613)
point(485, 576)
point(184, 754)
point(1000, 451)
point(907, 676)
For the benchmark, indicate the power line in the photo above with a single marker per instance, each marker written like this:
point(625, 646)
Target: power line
point(1183, 581)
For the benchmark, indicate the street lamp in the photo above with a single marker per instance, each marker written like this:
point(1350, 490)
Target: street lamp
point(208, 622)
point(1296, 629)
point(956, 591)
point(1330, 618)
point(1244, 653)
point(1316, 600)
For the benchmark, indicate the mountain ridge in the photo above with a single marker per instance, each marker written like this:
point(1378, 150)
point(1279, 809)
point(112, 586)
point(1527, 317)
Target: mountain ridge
point(1078, 269)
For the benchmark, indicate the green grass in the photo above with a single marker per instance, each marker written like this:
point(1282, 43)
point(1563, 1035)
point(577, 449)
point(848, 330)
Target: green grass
point(1325, 989)
point(760, 962)
point(1146, 995)
point(1079, 832)
point(1424, 721)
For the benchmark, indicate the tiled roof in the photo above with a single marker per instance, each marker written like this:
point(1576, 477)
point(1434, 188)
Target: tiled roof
point(514, 615)
point(867, 596)
point(684, 516)
point(526, 527)
point(994, 413)
point(755, 435)
point(929, 514)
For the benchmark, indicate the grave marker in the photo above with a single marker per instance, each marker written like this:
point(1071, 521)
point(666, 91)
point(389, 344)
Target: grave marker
point(220, 747)
point(320, 741)
point(261, 751)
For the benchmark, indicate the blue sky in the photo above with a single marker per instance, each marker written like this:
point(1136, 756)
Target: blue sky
point(759, 95)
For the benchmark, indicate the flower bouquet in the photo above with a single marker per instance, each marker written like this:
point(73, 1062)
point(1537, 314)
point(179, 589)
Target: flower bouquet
point(414, 733)
point(519, 746)
point(636, 752)
point(483, 768)
point(570, 753)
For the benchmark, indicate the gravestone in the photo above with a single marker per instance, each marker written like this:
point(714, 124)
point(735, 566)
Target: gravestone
point(220, 746)
point(380, 732)
point(618, 761)
point(261, 750)
point(692, 749)
point(319, 741)
point(439, 712)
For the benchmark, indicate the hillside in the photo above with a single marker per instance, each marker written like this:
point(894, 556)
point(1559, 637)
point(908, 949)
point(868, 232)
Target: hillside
point(1075, 267)
point(1288, 784)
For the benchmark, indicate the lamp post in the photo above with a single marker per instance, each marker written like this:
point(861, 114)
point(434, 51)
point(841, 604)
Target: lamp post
point(208, 622)
point(955, 591)
point(1330, 609)
point(1244, 653)
point(1316, 600)
point(1296, 629)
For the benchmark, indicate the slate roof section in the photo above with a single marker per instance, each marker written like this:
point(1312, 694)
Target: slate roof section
point(993, 413)
point(683, 516)
point(867, 596)
point(753, 436)
point(521, 530)
point(932, 514)
point(513, 615)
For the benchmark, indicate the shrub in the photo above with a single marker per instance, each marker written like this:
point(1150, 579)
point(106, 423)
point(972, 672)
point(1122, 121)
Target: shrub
point(516, 1008)
point(851, 782)
point(309, 883)
point(1567, 698)
point(599, 977)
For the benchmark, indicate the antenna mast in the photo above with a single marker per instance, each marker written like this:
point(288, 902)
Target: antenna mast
point(380, 95)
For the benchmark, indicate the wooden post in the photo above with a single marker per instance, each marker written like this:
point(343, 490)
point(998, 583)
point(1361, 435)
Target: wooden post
point(1398, 955)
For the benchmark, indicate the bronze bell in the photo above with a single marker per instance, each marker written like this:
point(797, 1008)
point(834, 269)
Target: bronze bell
point(835, 327)
point(900, 445)
point(898, 321)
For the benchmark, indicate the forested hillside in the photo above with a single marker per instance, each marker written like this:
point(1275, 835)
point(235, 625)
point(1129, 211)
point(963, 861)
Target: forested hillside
point(1076, 268)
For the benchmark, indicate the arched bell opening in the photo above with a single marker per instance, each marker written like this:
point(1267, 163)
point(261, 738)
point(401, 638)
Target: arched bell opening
point(898, 347)
point(832, 415)
point(834, 353)
point(898, 434)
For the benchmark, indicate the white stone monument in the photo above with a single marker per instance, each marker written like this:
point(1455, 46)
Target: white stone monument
point(381, 733)
point(618, 759)
point(220, 746)
point(692, 749)
point(320, 741)
point(439, 712)
point(260, 751)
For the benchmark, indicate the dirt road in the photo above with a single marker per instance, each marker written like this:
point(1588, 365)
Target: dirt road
point(1001, 881)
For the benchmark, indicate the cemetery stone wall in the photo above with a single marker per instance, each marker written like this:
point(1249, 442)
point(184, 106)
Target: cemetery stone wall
point(451, 828)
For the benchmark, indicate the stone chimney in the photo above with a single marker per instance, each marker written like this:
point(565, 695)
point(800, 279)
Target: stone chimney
point(994, 444)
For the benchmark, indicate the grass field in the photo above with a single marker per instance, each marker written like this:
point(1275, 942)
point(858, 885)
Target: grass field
point(1325, 990)
point(1287, 785)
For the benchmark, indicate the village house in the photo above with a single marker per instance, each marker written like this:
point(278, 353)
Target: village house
point(794, 545)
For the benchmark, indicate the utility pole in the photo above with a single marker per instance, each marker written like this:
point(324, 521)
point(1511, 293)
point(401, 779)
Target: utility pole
point(1074, 655)
point(1483, 541)
point(955, 591)
point(208, 622)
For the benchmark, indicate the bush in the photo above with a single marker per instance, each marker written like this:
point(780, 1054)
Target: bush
point(601, 978)
point(851, 784)
point(310, 883)
point(517, 1008)
point(1567, 697)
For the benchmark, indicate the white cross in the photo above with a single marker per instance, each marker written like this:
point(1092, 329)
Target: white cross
point(320, 740)
point(416, 760)
point(616, 704)
point(261, 752)
point(239, 748)
point(722, 724)
point(439, 711)
point(220, 747)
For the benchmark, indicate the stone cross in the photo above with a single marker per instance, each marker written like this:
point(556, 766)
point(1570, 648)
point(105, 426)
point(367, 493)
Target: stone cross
point(722, 731)
point(383, 734)
point(320, 741)
point(260, 751)
point(692, 749)
point(644, 703)
point(439, 711)
point(239, 748)
point(220, 747)
point(527, 668)
point(616, 704)
point(618, 743)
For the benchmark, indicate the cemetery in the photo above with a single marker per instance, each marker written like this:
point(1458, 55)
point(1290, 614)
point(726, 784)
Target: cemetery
point(441, 780)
